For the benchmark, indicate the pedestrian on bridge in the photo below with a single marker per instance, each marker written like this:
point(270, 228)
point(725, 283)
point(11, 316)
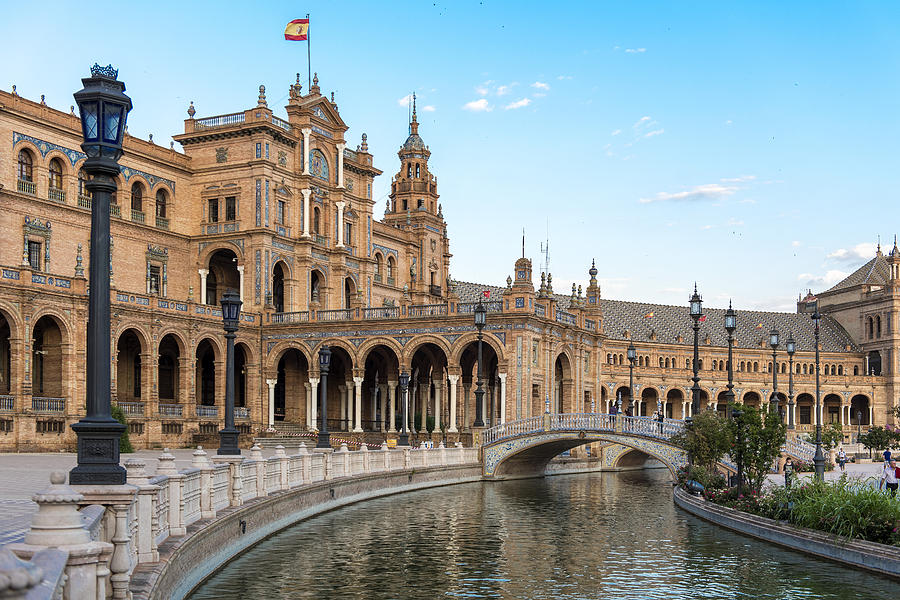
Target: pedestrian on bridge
point(659, 421)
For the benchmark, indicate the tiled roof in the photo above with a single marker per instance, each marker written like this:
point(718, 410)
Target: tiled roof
point(874, 272)
point(668, 322)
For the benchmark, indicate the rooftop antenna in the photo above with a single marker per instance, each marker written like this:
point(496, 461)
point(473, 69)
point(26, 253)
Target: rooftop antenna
point(523, 242)
point(545, 248)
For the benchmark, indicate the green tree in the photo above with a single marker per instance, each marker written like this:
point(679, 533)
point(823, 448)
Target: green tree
point(706, 441)
point(832, 436)
point(124, 443)
point(758, 437)
point(878, 438)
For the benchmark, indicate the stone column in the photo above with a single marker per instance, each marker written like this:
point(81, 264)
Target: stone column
point(383, 400)
point(240, 269)
point(412, 403)
point(502, 377)
point(454, 379)
point(340, 164)
point(203, 274)
point(392, 403)
point(309, 420)
point(437, 403)
point(271, 383)
point(357, 411)
point(340, 223)
point(306, 131)
point(306, 194)
point(342, 394)
point(374, 404)
point(314, 401)
point(842, 415)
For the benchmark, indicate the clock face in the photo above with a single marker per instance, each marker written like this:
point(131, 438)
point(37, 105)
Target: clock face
point(318, 166)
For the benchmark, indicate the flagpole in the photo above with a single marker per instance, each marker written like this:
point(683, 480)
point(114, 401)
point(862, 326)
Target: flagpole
point(308, 60)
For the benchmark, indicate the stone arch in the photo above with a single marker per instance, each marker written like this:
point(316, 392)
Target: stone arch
point(275, 354)
point(132, 352)
point(563, 378)
point(208, 362)
point(366, 347)
point(222, 274)
point(172, 366)
point(214, 247)
point(48, 357)
point(863, 404)
point(413, 346)
point(281, 273)
point(176, 335)
point(58, 318)
point(12, 317)
point(292, 392)
point(333, 343)
point(143, 336)
point(463, 341)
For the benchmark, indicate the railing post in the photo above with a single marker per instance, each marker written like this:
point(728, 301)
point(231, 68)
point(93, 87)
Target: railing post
point(283, 466)
point(261, 469)
point(365, 457)
point(166, 466)
point(200, 461)
point(305, 464)
point(145, 510)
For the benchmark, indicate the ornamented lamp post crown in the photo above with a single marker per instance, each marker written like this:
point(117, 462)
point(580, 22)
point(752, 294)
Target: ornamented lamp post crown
point(773, 341)
point(480, 321)
point(730, 326)
point(812, 306)
point(791, 346)
point(696, 307)
point(104, 109)
point(324, 440)
point(631, 353)
point(231, 315)
point(404, 410)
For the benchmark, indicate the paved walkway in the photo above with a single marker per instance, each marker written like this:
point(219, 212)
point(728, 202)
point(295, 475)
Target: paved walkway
point(853, 471)
point(23, 475)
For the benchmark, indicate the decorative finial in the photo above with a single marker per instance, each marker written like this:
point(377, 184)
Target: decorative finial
point(440, 210)
point(365, 143)
point(414, 107)
point(508, 282)
point(79, 263)
point(261, 102)
point(171, 145)
point(332, 97)
point(298, 79)
point(14, 92)
point(72, 109)
point(108, 71)
point(151, 138)
point(316, 79)
point(42, 100)
point(593, 270)
point(191, 110)
point(579, 291)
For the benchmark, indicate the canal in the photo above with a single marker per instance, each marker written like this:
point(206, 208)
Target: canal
point(609, 535)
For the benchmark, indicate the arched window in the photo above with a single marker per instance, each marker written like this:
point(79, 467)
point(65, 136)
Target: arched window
point(742, 366)
point(660, 362)
point(161, 201)
point(856, 369)
point(25, 166)
point(878, 326)
point(417, 170)
point(137, 197)
point(715, 365)
point(756, 367)
point(769, 368)
point(55, 173)
point(378, 266)
point(700, 364)
point(82, 184)
point(621, 360)
point(390, 270)
point(783, 368)
point(409, 171)
point(667, 363)
point(804, 370)
point(870, 327)
point(840, 369)
point(317, 215)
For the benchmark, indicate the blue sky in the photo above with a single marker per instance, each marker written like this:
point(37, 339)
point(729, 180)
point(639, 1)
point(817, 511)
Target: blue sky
point(751, 146)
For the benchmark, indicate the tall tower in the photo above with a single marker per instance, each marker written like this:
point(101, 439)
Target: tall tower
point(413, 206)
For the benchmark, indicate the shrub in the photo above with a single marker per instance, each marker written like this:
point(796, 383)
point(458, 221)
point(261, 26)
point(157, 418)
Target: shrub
point(124, 443)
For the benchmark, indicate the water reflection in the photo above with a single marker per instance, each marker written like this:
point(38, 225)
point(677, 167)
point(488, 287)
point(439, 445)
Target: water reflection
point(565, 537)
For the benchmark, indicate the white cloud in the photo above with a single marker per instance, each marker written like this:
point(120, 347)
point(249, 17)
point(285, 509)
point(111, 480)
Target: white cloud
point(540, 85)
point(859, 252)
point(708, 191)
point(481, 90)
point(728, 122)
point(831, 277)
point(616, 132)
point(428, 108)
point(796, 244)
point(538, 95)
point(405, 100)
point(735, 222)
point(518, 104)
point(477, 105)
point(706, 227)
point(654, 132)
point(641, 122)
point(741, 179)
point(563, 77)
point(635, 50)
point(502, 90)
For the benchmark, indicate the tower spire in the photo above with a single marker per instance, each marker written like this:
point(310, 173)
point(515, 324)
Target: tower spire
point(413, 122)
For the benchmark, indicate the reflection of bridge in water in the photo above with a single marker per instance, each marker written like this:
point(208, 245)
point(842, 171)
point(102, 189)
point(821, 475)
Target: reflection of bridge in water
point(523, 448)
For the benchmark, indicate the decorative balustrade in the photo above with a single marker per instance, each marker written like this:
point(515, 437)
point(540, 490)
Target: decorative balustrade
point(241, 412)
point(219, 121)
point(137, 216)
point(56, 195)
point(48, 405)
point(338, 314)
point(162, 222)
point(643, 426)
point(114, 210)
point(132, 409)
point(427, 310)
point(170, 410)
point(381, 312)
point(489, 306)
point(565, 317)
point(207, 411)
point(799, 448)
point(26, 187)
point(540, 310)
point(7, 403)
point(84, 201)
point(279, 122)
point(300, 316)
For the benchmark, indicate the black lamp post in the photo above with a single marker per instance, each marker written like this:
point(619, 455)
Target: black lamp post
point(696, 303)
point(404, 386)
point(104, 108)
point(730, 326)
point(791, 348)
point(736, 414)
point(631, 356)
point(773, 341)
point(480, 320)
point(819, 458)
point(324, 440)
point(231, 315)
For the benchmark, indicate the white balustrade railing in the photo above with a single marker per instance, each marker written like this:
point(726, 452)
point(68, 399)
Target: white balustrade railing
point(643, 426)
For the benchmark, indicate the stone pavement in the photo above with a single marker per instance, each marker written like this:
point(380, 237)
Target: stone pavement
point(23, 475)
point(853, 471)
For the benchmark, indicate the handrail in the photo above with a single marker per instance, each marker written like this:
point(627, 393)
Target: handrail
point(219, 121)
point(337, 314)
point(381, 312)
point(427, 310)
point(595, 422)
point(489, 306)
point(300, 316)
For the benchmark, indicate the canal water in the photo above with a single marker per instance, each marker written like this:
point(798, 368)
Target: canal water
point(609, 536)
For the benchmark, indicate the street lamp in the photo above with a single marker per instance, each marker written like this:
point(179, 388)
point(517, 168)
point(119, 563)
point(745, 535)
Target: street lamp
point(819, 458)
point(730, 326)
point(736, 414)
point(231, 315)
point(104, 108)
point(791, 348)
point(324, 440)
point(631, 356)
point(404, 386)
point(696, 303)
point(773, 341)
point(480, 320)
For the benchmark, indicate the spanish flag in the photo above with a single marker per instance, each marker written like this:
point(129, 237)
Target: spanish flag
point(296, 30)
point(649, 315)
point(759, 326)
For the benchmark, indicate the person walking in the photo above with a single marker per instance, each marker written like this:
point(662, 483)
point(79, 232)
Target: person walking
point(659, 421)
point(889, 478)
point(887, 456)
point(788, 472)
point(841, 458)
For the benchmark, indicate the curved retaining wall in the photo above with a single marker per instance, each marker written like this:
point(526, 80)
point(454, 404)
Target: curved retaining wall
point(186, 561)
point(856, 553)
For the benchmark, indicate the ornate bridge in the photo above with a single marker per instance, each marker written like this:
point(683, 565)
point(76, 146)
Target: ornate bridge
point(523, 448)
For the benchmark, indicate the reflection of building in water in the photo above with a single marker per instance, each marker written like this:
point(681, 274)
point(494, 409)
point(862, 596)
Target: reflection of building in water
point(281, 210)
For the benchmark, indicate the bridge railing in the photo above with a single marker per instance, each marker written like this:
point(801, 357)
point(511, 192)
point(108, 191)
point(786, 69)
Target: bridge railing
point(643, 426)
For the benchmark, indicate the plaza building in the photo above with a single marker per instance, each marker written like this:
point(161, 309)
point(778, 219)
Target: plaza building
point(281, 210)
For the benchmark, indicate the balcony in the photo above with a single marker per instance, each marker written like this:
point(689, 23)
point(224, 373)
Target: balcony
point(434, 290)
point(540, 310)
point(427, 310)
point(114, 210)
point(48, 405)
point(170, 410)
point(84, 200)
point(391, 281)
point(377, 277)
point(26, 187)
point(162, 222)
point(207, 411)
point(241, 412)
point(340, 314)
point(566, 318)
point(220, 121)
point(300, 316)
point(56, 195)
point(381, 312)
point(137, 216)
point(7, 403)
point(489, 306)
point(132, 409)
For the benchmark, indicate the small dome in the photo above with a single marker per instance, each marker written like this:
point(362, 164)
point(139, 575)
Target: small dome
point(413, 142)
point(593, 270)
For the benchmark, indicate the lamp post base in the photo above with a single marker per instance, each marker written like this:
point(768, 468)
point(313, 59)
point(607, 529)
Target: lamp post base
point(324, 440)
point(403, 439)
point(98, 454)
point(228, 443)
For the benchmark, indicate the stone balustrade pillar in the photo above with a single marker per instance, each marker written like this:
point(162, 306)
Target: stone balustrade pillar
point(392, 403)
point(203, 274)
point(314, 402)
point(306, 193)
point(454, 379)
point(357, 407)
point(166, 466)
